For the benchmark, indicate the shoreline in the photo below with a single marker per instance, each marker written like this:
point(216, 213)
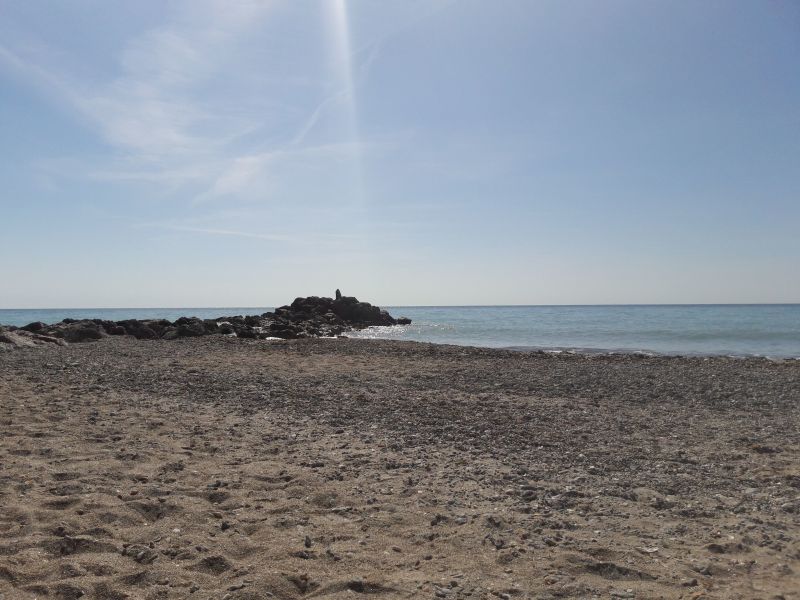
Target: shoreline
point(587, 351)
point(771, 331)
point(649, 353)
point(554, 350)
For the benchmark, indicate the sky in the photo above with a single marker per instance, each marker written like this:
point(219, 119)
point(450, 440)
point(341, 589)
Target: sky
point(410, 152)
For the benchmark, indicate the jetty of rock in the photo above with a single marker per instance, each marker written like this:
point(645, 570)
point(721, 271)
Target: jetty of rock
point(305, 317)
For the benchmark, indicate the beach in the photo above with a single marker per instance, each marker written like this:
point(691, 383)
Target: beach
point(220, 467)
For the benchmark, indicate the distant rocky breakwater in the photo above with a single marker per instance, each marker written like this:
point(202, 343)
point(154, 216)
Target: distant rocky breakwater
point(305, 317)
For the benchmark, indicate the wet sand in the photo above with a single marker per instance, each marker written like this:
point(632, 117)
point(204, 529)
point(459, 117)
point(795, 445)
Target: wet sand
point(218, 467)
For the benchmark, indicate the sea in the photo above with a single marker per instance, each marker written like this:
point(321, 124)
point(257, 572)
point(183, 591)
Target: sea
point(768, 330)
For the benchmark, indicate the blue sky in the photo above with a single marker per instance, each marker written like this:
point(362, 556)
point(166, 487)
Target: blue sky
point(242, 153)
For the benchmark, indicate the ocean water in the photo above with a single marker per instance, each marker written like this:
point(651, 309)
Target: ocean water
point(729, 329)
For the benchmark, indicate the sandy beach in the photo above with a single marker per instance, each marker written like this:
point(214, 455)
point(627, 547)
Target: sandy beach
point(218, 467)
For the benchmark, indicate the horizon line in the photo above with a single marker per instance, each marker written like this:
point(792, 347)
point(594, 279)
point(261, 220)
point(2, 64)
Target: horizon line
point(417, 306)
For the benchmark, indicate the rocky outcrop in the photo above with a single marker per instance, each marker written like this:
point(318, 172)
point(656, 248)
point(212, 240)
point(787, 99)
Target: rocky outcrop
point(317, 317)
point(305, 317)
point(11, 338)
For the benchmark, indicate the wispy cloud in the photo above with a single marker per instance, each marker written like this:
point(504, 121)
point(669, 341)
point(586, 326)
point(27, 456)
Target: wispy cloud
point(314, 117)
point(240, 174)
point(369, 54)
point(276, 237)
point(151, 112)
point(168, 123)
point(301, 238)
point(152, 107)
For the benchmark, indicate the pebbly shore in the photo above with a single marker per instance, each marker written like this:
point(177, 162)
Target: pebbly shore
point(224, 467)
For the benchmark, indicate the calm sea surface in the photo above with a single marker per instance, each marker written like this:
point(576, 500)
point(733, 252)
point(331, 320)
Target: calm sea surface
point(742, 330)
point(746, 330)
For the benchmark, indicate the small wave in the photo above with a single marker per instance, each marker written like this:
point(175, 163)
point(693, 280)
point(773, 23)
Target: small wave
point(625, 351)
point(580, 350)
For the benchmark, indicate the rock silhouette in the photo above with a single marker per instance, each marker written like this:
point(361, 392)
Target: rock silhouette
point(305, 317)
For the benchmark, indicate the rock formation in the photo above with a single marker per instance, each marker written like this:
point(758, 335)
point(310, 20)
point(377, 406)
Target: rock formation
point(305, 317)
point(11, 338)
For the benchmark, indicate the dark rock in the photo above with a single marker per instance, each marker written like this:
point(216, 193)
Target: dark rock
point(190, 327)
point(159, 325)
point(313, 316)
point(284, 330)
point(360, 313)
point(138, 329)
point(80, 331)
point(225, 328)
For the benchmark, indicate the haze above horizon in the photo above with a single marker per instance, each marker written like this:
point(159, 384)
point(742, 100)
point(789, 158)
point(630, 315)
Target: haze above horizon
point(411, 153)
point(388, 306)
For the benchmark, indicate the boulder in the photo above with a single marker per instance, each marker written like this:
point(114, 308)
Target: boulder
point(80, 331)
point(190, 327)
point(139, 329)
point(360, 313)
point(159, 325)
point(225, 328)
point(21, 338)
point(252, 321)
point(246, 332)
